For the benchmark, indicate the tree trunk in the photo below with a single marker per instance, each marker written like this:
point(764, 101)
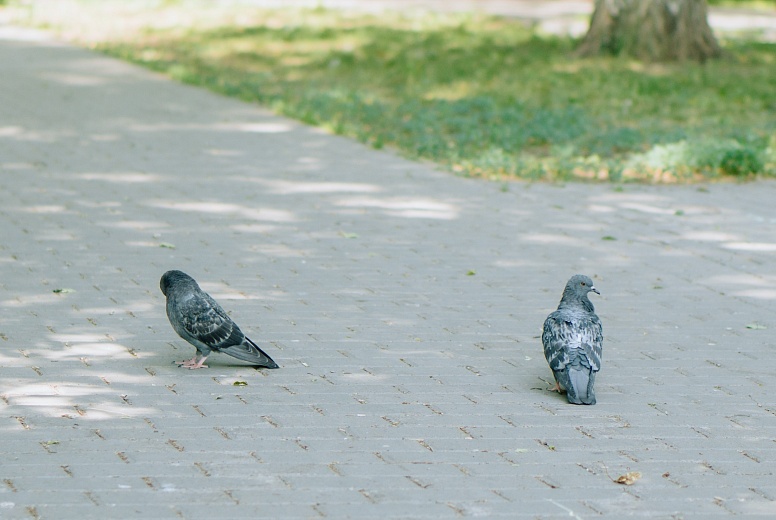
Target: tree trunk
point(651, 30)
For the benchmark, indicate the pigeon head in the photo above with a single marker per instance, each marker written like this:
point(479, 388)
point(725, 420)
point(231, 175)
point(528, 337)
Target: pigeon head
point(175, 277)
point(576, 291)
point(580, 285)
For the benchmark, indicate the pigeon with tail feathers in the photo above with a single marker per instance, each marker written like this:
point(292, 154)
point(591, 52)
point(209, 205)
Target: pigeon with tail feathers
point(573, 342)
point(198, 319)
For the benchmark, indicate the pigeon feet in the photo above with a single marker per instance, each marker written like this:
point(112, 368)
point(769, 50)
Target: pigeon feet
point(193, 363)
point(188, 362)
point(198, 364)
point(556, 388)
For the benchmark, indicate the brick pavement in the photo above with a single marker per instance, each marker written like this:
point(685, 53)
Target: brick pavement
point(409, 387)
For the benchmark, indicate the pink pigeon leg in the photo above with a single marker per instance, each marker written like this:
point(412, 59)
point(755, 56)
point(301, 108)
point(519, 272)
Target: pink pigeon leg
point(556, 388)
point(199, 364)
point(188, 362)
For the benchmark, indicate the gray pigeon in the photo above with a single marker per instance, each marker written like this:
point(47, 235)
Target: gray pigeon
point(573, 341)
point(198, 319)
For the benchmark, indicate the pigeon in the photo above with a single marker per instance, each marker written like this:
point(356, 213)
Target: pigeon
point(198, 319)
point(573, 341)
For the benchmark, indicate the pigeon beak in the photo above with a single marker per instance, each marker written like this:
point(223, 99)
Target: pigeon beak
point(592, 288)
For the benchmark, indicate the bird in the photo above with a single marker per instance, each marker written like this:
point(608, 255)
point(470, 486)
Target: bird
point(201, 321)
point(573, 342)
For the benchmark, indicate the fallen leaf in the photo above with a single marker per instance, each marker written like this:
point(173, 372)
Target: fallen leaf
point(628, 479)
point(348, 235)
point(755, 326)
point(240, 383)
point(167, 245)
point(63, 291)
point(546, 445)
point(608, 237)
point(470, 273)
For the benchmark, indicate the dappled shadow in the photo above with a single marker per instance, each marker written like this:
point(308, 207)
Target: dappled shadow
point(119, 196)
point(759, 286)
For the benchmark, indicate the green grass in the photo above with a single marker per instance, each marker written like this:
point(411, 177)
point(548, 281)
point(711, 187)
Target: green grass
point(745, 4)
point(479, 96)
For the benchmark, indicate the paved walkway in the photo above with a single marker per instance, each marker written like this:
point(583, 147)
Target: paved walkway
point(403, 304)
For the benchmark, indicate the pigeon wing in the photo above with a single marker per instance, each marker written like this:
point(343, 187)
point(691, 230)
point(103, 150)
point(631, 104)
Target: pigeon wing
point(209, 324)
point(555, 338)
point(592, 338)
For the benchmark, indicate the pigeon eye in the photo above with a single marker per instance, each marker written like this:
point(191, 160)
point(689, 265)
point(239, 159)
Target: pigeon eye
point(583, 284)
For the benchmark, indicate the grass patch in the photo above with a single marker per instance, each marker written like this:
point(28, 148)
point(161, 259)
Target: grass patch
point(478, 95)
point(765, 5)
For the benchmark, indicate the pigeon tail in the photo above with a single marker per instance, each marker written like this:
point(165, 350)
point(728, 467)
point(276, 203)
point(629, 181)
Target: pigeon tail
point(580, 390)
point(250, 352)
